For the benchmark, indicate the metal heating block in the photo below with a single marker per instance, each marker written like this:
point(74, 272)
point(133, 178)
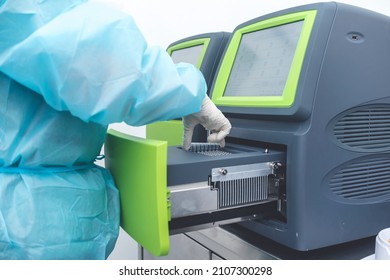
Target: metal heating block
point(225, 187)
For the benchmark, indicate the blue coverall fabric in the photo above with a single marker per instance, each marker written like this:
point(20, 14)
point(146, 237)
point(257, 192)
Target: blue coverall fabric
point(68, 69)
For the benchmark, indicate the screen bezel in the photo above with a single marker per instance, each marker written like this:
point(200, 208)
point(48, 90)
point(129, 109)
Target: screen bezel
point(287, 98)
point(192, 43)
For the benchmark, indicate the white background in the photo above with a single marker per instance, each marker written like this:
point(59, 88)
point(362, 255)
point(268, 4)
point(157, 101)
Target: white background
point(165, 21)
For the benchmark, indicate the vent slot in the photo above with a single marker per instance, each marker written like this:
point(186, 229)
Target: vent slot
point(365, 129)
point(363, 179)
point(243, 191)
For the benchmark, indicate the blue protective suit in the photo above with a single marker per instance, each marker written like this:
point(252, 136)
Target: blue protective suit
point(68, 68)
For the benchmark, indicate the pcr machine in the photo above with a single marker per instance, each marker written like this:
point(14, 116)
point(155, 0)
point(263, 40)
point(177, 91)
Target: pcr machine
point(307, 162)
point(204, 51)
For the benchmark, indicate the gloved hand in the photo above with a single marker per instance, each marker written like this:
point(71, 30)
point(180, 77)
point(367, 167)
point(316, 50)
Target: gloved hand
point(209, 117)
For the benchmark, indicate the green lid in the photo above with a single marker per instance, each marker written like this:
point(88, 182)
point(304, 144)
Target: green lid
point(170, 131)
point(139, 169)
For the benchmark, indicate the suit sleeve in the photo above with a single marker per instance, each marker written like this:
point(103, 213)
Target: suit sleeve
point(94, 62)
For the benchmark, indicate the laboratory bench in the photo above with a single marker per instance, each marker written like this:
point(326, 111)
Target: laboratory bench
point(233, 242)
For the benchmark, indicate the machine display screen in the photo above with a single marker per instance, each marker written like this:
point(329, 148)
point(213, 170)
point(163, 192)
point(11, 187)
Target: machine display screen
point(189, 55)
point(263, 61)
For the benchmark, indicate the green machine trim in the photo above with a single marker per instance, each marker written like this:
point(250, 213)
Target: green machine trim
point(139, 168)
point(188, 44)
point(170, 131)
point(288, 96)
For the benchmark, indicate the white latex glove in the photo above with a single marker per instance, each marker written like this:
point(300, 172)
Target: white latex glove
point(211, 118)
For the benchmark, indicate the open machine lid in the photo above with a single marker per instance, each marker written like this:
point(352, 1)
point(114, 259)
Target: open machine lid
point(139, 168)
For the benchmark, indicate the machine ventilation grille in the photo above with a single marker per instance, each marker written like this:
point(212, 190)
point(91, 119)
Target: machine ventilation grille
point(365, 129)
point(363, 179)
point(243, 191)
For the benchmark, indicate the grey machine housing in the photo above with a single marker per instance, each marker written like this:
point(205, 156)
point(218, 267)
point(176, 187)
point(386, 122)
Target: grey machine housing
point(333, 142)
point(336, 135)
